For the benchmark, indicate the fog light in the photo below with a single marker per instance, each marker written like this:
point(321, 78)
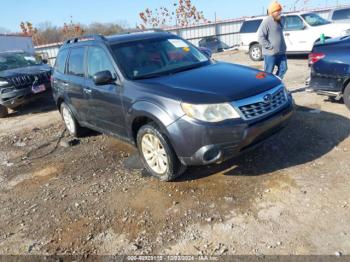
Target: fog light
point(213, 154)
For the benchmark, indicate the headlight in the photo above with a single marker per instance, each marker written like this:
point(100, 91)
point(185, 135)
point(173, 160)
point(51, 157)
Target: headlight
point(211, 112)
point(4, 83)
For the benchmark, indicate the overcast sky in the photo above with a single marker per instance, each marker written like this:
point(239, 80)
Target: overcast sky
point(87, 11)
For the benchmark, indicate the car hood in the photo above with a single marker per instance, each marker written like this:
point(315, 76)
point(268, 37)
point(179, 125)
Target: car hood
point(333, 29)
point(215, 83)
point(29, 70)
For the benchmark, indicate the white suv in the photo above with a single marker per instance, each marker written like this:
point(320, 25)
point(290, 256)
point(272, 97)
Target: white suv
point(301, 31)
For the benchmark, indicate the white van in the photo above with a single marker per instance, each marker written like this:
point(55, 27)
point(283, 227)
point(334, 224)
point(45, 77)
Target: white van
point(340, 15)
point(301, 31)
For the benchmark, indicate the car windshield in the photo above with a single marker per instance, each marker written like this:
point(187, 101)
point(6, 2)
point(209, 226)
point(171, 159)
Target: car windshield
point(17, 60)
point(314, 19)
point(157, 57)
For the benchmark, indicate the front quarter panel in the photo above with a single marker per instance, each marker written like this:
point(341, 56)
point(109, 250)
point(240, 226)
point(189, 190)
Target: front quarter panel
point(139, 101)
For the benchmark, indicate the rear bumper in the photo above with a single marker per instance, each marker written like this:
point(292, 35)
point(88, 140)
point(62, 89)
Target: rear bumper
point(326, 84)
point(13, 97)
point(198, 144)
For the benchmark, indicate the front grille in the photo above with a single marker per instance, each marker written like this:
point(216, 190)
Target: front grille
point(262, 104)
point(27, 80)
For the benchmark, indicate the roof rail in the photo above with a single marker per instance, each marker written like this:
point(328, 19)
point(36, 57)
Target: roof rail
point(82, 38)
point(152, 30)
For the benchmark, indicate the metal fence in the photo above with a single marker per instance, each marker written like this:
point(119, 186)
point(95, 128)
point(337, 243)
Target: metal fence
point(227, 31)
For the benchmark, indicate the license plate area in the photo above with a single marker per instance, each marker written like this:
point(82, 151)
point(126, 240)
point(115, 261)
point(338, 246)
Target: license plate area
point(38, 89)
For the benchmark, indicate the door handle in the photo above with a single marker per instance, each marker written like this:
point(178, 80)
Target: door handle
point(287, 34)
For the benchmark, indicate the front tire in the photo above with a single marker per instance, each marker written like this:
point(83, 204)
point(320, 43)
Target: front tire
point(157, 154)
point(3, 111)
point(347, 96)
point(255, 53)
point(70, 122)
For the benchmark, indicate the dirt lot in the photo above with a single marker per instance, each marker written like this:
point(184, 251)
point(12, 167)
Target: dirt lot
point(290, 196)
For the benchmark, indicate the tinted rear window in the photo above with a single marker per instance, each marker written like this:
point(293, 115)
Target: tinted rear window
point(251, 26)
point(61, 61)
point(76, 62)
point(341, 14)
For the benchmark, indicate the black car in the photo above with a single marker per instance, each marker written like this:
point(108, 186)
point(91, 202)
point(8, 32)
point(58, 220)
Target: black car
point(160, 93)
point(330, 68)
point(214, 44)
point(22, 78)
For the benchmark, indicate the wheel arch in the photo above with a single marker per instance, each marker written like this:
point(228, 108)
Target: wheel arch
point(345, 84)
point(253, 43)
point(143, 113)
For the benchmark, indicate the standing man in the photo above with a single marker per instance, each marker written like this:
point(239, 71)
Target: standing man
point(272, 41)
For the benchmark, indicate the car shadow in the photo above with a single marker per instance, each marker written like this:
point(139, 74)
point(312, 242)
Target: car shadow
point(298, 57)
point(334, 100)
point(309, 135)
point(44, 103)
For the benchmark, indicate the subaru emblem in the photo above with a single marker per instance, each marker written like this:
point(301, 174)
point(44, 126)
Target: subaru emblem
point(268, 98)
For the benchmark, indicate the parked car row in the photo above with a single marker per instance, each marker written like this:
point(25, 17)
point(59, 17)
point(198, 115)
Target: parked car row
point(167, 97)
point(301, 31)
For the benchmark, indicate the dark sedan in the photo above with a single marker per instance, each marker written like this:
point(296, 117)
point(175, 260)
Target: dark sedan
point(330, 68)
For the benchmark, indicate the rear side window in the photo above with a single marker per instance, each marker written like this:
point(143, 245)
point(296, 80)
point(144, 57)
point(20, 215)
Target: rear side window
point(251, 26)
point(76, 62)
point(341, 14)
point(60, 63)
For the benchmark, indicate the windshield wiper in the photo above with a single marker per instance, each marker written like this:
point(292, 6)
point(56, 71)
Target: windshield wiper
point(152, 75)
point(186, 68)
point(173, 71)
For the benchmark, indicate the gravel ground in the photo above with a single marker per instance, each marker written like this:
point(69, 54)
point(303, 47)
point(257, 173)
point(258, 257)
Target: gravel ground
point(289, 196)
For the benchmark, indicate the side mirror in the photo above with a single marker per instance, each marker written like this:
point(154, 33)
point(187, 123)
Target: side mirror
point(45, 61)
point(206, 51)
point(103, 78)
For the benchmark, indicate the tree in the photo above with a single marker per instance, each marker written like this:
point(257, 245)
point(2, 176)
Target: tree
point(72, 30)
point(28, 29)
point(46, 33)
point(184, 13)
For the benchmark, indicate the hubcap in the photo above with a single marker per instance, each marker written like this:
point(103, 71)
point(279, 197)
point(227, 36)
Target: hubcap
point(68, 120)
point(256, 53)
point(154, 153)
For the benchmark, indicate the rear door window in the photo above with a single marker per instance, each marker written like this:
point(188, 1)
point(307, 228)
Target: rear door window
point(60, 63)
point(251, 26)
point(76, 62)
point(341, 14)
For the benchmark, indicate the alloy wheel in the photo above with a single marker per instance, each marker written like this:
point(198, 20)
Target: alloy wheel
point(154, 153)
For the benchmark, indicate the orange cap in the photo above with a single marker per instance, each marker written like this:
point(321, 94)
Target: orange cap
point(274, 7)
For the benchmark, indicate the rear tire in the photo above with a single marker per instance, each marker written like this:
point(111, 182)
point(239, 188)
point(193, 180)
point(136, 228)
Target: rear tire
point(70, 122)
point(157, 154)
point(255, 53)
point(3, 111)
point(346, 96)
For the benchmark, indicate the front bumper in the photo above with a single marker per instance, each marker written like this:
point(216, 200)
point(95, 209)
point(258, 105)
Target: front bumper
point(12, 97)
point(202, 144)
